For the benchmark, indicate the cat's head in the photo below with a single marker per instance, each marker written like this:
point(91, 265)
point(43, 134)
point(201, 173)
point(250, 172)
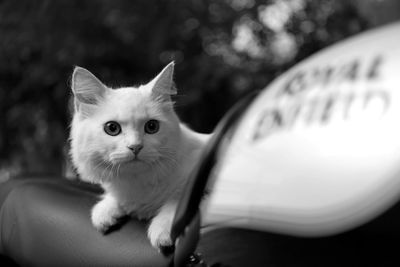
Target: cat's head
point(134, 126)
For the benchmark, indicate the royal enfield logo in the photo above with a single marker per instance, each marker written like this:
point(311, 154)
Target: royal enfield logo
point(314, 96)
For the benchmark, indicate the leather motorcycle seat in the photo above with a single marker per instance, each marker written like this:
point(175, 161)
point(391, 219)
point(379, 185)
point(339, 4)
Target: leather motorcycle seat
point(46, 222)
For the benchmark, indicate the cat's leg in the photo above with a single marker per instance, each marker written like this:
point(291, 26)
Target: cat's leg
point(106, 214)
point(159, 231)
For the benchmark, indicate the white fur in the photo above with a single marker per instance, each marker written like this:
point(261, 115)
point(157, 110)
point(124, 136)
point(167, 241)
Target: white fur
point(150, 186)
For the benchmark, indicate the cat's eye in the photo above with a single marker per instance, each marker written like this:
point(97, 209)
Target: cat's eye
point(112, 128)
point(152, 126)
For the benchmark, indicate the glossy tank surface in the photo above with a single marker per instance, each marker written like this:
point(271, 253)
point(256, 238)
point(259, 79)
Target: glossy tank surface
point(317, 152)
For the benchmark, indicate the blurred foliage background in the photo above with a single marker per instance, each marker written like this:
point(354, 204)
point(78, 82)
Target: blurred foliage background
point(223, 50)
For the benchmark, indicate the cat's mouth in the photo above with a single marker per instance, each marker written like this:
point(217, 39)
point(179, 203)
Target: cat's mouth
point(136, 159)
point(132, 159)
point(125, 159)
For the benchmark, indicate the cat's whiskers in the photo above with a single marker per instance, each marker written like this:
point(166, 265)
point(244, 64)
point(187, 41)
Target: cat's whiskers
point(111, 173)
point(118, 169)
point(162, 170)
point(169, 155)
point(101, 162)
point(165, 161)
point(109, 170)
point(104, 169)
point(102, 177)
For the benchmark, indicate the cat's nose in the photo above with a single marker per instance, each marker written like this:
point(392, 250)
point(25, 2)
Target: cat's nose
point(135, 148)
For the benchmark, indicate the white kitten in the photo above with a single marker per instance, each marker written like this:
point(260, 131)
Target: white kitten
point(131, 142)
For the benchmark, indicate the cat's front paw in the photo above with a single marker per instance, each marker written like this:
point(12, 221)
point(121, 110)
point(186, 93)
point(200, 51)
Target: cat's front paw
point(107, 215)
point(159, 234)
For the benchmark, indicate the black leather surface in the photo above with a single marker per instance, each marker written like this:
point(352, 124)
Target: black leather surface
point(46, 222)
point(373, 244)
point(243, 248)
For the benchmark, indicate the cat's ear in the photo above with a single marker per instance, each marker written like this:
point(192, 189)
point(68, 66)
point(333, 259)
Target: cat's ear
point(163, 83)
point(87, 89)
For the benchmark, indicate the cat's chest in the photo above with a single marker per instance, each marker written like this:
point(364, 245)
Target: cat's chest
point(141, 194)
point(136, 188)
